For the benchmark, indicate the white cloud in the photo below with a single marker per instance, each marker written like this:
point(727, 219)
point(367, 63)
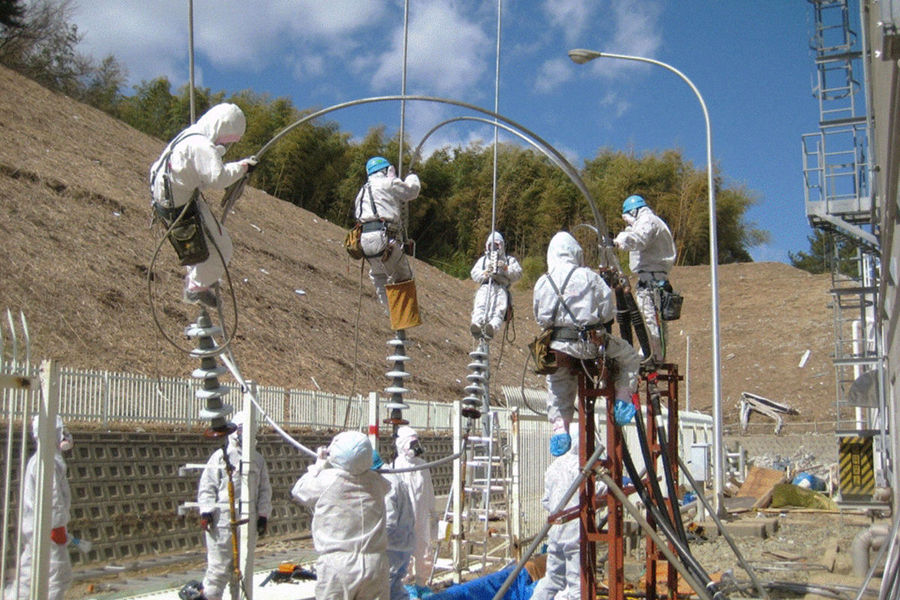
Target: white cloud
point(571, 16)
point(615, 104)
point(552, 73)
point(447, 53)
point(152, 38)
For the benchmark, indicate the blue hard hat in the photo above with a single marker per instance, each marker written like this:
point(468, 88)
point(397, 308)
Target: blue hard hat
point(376, 163)
point(632, 203)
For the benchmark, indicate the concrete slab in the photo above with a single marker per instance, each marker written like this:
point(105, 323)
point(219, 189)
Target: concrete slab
point(753, 527)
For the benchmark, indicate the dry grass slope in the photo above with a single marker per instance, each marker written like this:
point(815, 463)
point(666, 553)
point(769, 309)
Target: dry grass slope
point(74, 218)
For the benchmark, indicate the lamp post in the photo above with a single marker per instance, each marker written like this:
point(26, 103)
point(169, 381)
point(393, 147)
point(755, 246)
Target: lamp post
point(581, 56)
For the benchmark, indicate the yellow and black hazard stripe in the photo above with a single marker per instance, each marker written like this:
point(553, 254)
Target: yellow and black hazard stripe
point(857, 468)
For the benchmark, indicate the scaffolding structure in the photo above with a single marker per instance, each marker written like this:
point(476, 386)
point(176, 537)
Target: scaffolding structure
point(840, 206)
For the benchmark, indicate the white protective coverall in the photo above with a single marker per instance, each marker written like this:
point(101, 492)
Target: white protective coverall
point(195, 162)
point(61, 499)
point(381, 200)
point(421, 494)
point(400, 522)
point(563, 553)
point(212, 496)
point(591, 302)
point(651, 256)
point(495, 271)
point(348, 525)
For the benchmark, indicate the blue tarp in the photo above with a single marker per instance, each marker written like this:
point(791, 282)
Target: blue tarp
point(485, 587)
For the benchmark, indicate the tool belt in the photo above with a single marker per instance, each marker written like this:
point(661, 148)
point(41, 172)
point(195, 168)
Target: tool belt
point(185, 230)
point(565, 334)
point(371, 226)
point(570, 334)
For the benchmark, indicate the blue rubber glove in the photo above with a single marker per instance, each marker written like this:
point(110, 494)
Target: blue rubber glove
point(423, 591)
point(560, 444)
point(412, 591)
point(623, 412)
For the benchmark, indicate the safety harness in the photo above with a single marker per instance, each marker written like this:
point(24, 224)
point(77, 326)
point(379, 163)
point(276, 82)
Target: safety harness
point(184, 226)
point(567, 334)
point(369, 226)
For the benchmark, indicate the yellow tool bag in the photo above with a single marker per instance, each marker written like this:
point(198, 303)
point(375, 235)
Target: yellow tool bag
point(403, 306)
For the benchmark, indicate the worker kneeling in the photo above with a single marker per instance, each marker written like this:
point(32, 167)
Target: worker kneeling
point(348, 525)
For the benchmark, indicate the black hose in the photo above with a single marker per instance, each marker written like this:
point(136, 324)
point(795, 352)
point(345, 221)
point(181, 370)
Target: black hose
point(673, 521)
point(662, 522)
point(623, 316)
point(637, 322)
point(668, 468)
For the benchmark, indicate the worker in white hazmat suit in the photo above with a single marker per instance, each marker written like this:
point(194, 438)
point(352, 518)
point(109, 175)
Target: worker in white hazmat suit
point(378, 207)
point(61, 500)
point(190, 164)
point(215, 517)
point(651, 256)
point(563, 551)
point(421, 494)
point(495, 271)
point(579, 306)
point(347, 499)
point(400, 522)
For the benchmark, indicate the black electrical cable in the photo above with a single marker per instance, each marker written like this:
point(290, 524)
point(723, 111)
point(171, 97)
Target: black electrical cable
point(661, 519)
point(668, 468)
point(673, 521)
point(192, 351)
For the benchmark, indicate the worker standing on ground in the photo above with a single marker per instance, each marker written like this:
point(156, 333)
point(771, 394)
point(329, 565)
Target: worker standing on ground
point(347, 499)
point(651, 256)
point(576, 302)
point(60, 572)
point(495, 271)
point(563, 549)
point(400, 524)
point(421, 493)
point(190, 164)
point(215, 513)
point(378, 208)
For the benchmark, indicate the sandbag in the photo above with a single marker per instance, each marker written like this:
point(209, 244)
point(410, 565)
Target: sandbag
point(403, 305)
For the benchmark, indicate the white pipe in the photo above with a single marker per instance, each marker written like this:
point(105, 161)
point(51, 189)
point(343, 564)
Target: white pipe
point(869, 539)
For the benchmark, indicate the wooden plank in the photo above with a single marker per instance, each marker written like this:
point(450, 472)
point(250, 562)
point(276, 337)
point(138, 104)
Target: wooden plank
point(759, 483)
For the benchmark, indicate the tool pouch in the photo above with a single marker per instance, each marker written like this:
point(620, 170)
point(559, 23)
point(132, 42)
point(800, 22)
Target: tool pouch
point(185, 231)
point(403, 305)
point(545, 360)
point(670, 303)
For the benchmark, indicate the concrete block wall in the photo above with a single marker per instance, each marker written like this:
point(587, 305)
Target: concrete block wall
point(126, 489)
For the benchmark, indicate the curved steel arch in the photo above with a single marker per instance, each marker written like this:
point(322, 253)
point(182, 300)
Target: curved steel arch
point(508, 124)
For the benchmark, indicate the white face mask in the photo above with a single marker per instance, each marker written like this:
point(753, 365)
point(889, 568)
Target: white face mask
point(66, 443)
point(629, 220)
point(392, 172)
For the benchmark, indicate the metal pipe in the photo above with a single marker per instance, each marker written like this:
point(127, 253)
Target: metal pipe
point(654, 535)
point(191, 57)
point(589, 464)
point(581, 56)
point(545, 147)
point(687, 473)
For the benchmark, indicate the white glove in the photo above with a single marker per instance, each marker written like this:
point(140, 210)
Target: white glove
point(249, 163)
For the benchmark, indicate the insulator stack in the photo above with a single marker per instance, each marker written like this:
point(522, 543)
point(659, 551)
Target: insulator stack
point(211, 391)
point(476, 400)
point(397, 375)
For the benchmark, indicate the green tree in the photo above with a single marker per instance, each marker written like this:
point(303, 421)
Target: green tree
point(827, 249)
point(11, 13)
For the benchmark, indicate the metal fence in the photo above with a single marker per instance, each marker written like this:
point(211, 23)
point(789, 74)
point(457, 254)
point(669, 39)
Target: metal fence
point(108, 397)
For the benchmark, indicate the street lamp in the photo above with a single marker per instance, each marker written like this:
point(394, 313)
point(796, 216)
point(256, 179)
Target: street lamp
point(581, 56)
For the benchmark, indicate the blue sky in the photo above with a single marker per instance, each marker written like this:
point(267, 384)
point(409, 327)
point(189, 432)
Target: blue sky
point(750, 61)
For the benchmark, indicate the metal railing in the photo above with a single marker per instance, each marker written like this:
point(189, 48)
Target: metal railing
point(111, 397)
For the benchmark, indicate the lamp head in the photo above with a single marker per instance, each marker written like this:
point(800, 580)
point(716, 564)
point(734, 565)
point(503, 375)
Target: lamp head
point(580, 55)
